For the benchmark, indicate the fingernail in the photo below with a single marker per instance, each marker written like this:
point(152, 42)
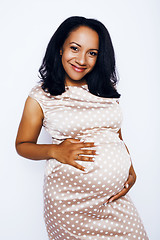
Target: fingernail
point(93, 159)
point(105, 203)
point(85, 170)
point(127, 185)
point(97, 152)
point(110, 201)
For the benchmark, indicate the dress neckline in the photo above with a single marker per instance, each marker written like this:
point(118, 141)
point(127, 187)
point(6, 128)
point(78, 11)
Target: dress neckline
point(85, 86)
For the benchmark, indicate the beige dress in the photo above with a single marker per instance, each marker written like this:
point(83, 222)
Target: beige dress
point(74, 200)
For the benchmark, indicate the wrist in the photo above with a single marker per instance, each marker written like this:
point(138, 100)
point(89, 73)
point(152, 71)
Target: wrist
point(52, 151)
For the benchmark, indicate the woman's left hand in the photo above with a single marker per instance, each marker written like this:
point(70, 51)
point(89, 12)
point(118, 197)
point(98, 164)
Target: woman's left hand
point(127, 186)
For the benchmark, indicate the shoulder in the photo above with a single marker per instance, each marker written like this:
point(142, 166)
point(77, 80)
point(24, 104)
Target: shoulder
point(38, 94)
point(36, 91)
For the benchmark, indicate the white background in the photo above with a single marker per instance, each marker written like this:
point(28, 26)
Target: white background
point(25, 29)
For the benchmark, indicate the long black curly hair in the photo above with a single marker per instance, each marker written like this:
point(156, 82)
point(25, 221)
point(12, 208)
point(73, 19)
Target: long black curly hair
point(101, 80)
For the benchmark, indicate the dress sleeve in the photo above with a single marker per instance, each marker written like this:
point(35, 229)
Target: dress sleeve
point(37, 94)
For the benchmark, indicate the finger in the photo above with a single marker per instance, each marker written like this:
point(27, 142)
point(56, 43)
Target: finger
point(81, 141)
point(83, 158)
point(118, 195)
point(76, 165)
point(89, 144)
point(130, 181)
point(132, 172)
point(87, 152)
point(73, 140)
point(81, 145)
point(126, 185)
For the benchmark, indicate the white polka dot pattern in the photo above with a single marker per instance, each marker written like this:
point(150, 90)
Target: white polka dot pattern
point(73, 200)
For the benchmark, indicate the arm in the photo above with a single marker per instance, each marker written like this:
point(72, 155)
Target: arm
point(131, 170)
point(120, 136)
point(28, 132)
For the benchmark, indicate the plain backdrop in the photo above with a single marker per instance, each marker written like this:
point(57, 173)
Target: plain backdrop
point(26, 26)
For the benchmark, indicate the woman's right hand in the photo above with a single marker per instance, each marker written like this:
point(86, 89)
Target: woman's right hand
point(71, 150)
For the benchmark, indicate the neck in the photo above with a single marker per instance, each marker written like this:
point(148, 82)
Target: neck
point(75, 82)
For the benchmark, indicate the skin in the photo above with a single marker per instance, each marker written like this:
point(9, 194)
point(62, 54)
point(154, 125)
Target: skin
point(79, 54)
point(130, 181)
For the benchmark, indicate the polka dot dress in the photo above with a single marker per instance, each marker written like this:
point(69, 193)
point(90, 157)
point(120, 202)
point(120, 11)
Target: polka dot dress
point(74, 200)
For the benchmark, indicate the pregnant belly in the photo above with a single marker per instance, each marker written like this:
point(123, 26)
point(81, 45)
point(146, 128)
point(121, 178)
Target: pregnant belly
point(110, 170)
point(104, 177)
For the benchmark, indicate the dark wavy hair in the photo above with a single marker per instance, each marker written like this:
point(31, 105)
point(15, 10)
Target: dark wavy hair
point(101, 80)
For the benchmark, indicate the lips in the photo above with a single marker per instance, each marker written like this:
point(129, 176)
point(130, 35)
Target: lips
point(78, 69)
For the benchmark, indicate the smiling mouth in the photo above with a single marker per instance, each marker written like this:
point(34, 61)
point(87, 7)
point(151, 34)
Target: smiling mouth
point(78, 69)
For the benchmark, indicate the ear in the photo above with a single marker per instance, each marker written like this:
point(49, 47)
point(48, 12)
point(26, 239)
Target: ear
point(61, 52)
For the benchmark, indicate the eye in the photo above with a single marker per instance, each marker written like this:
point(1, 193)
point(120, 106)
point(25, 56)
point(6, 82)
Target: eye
point(74, 48)
point(93, 53)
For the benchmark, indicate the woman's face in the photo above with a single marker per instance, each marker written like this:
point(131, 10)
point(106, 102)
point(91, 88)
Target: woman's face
point(79, 54)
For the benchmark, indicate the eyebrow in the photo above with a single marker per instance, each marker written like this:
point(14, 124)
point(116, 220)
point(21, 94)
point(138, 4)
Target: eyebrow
point(80, 46)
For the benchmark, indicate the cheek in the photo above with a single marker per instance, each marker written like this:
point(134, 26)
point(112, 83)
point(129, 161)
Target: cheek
point(92, 62)
point(66, 56)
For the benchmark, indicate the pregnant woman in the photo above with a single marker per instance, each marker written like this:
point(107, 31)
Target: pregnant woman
point(88, 169)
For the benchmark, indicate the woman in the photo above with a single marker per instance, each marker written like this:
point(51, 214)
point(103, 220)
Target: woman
point(88, 168)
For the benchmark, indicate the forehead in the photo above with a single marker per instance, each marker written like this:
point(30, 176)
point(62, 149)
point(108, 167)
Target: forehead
point(84, 36)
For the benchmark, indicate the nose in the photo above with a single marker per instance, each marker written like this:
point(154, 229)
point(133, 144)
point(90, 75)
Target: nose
point(81, 59)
